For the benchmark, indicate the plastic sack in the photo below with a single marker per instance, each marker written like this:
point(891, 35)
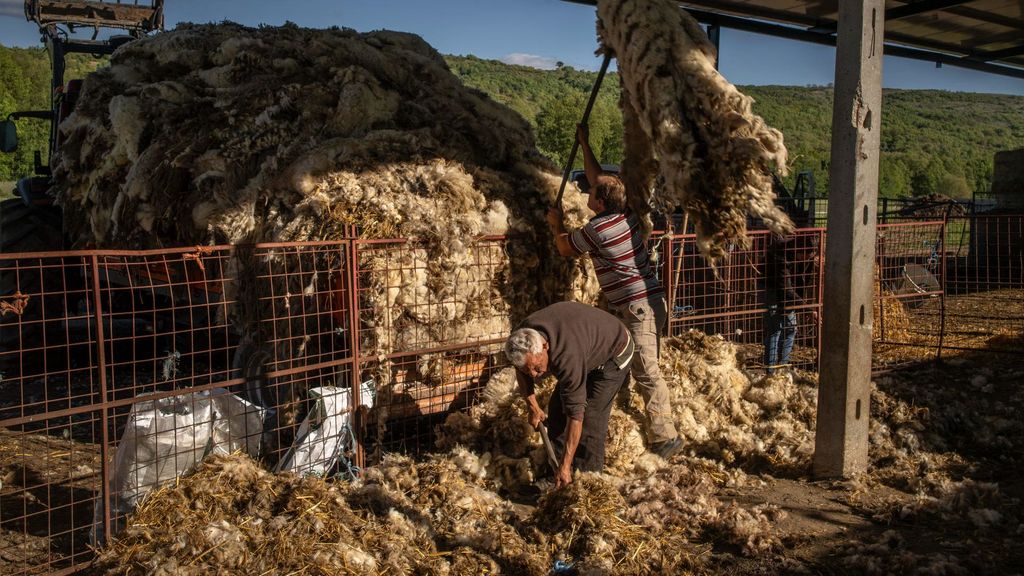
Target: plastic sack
point(167, 437)
point(326, 432)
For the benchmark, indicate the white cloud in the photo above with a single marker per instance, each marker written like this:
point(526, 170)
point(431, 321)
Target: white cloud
point(531, 60)
point(14, 8)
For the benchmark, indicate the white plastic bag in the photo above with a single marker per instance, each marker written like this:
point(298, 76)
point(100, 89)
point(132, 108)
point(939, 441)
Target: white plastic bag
point(326, 432)
point(166, 438)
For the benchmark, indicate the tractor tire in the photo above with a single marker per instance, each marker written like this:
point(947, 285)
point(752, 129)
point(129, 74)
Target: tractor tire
point(27, 229)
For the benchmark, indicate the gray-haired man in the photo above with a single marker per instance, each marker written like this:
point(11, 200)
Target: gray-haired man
point(588, 351)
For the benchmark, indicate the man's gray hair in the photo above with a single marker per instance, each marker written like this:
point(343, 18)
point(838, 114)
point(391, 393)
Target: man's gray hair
point(521, 342)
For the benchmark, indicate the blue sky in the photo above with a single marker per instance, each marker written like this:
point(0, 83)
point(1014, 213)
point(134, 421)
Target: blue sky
point(538, 32)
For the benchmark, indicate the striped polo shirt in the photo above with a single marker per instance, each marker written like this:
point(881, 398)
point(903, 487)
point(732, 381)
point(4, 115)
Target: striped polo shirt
point(616, 245)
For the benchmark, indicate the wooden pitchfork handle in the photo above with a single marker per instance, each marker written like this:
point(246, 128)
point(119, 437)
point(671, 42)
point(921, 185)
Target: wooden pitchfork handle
point(586, 117)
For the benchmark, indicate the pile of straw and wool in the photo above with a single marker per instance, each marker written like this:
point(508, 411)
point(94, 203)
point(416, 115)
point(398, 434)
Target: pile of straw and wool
point(448, 514)
point(214, 134)
point(686, 125)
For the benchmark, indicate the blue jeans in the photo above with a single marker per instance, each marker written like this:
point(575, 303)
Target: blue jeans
point(779, 335)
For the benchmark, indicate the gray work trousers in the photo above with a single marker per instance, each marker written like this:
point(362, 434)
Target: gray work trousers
point(645, 320)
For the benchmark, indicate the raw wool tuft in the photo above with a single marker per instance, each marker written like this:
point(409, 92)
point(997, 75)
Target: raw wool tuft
point(721, 414)
point(751, 529)
point(890, 556)
point(625, 444)
point(278, 134)
point(588, 524)
point(498, 428)
point(713, 153)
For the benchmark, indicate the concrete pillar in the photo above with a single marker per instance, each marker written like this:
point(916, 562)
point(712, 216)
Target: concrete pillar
point(841, 441)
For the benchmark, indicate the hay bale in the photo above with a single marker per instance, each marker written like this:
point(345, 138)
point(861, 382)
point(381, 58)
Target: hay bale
point(687, 125)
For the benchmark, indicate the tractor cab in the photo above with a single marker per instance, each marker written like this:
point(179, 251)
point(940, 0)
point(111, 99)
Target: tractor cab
point(61, 24)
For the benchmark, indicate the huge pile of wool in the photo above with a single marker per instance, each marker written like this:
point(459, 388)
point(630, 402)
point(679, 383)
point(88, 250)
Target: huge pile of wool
point(447, 514)
point(219, 134)
point(724, 414)
point(688, 125)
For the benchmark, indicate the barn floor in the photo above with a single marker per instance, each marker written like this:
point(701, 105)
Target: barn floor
point(956, 510)
point(884, 522)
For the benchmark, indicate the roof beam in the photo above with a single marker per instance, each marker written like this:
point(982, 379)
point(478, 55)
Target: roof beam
point(905, 11)
point(997, 54)
point(914, 8)
point(987, 17)
point(791, 33)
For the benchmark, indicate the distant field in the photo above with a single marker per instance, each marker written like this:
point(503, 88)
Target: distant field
point(6, 189)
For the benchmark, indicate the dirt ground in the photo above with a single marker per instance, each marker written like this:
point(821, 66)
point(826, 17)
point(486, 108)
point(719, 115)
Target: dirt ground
point(888, 521)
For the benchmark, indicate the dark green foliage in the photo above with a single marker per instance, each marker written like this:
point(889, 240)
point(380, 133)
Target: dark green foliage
point(932, 141)
point(25, 85)
point(552, 101)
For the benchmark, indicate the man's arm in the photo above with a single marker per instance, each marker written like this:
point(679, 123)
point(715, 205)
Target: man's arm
point(561, 235)
point(572, 441)
point(590, 164)
point(526, 389)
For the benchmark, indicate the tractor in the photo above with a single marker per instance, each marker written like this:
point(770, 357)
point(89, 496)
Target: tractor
point(31, 221)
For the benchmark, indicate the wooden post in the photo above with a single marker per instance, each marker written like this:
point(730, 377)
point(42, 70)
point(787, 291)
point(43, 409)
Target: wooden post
point(841, 442)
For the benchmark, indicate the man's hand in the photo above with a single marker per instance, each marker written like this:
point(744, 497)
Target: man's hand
point(816, 317)
point(536, 417)
point(582, 133)
point(563, 477)
point(554, 218)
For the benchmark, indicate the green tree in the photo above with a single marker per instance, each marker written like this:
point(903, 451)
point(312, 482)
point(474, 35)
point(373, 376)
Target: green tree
point(954, 186)
point(894, 178)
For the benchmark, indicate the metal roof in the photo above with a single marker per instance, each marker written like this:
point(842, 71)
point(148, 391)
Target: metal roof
point(986, 35)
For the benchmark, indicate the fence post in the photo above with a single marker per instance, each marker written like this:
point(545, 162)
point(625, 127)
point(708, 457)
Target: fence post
point(821, 294)
point(352, 271)
point(669, 286)
point(101, 356)
point(942, 284)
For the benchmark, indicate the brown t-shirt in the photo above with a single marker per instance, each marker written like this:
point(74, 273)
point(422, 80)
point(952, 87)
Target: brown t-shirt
point(580, 338)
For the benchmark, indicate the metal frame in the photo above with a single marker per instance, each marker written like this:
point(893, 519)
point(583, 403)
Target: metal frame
point(798, 23)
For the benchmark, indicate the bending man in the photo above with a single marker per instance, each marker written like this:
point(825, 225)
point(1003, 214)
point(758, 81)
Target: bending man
point(614, 239)
point(588, 351)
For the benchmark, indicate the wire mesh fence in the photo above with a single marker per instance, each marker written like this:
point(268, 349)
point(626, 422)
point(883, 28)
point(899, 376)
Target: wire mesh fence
point(119, 371)
point(750, 295)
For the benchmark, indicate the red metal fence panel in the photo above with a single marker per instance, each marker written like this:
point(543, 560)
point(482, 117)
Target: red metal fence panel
point(730, 298)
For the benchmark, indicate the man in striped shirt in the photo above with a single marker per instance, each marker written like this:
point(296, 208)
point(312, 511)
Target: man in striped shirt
point(615, 242)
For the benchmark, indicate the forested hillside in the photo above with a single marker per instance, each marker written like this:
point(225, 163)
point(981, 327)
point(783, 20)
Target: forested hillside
point(932, 141)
